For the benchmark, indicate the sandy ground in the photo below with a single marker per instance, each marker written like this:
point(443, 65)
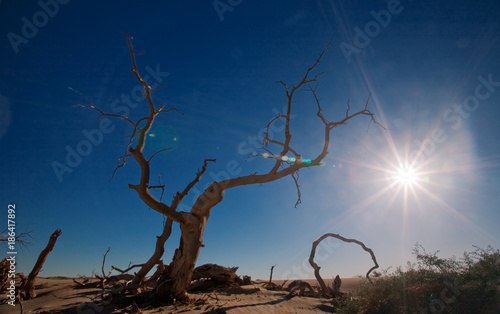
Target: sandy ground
point(56, 295)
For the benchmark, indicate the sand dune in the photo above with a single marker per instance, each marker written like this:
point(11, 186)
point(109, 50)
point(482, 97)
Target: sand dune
point(57, 295)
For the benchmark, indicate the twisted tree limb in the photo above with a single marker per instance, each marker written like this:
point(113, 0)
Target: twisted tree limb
point(158, 253)
point(317, 268)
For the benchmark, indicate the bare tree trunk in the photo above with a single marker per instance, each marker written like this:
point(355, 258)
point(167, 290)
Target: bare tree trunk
point(176, 278)
point(29, 288)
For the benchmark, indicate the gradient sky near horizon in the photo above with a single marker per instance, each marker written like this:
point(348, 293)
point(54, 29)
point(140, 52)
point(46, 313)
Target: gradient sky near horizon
point(432, 70)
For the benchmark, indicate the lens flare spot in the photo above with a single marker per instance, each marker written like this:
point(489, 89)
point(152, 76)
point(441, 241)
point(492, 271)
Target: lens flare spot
point(162, 137)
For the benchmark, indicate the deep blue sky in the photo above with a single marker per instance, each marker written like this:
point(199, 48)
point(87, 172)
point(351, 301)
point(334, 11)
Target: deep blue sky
point(427, 68)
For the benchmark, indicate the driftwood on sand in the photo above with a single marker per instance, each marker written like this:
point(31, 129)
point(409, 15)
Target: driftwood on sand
point(211, 275)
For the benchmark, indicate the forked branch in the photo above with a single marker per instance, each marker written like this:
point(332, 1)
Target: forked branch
point(179, 196)
point(285, 165)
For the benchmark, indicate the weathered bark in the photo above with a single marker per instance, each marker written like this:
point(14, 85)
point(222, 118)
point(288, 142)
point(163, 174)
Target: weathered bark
point(211, 276)
point(178, 275)
point(158, 272)
point(29, 288)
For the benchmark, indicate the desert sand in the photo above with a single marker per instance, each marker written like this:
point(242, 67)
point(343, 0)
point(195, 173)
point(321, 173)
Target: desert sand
point(62, 295)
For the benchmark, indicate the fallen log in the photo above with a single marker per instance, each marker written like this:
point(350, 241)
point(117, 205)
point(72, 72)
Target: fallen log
point(211, 275)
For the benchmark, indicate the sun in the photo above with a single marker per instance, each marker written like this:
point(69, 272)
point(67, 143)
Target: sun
point(406, 175)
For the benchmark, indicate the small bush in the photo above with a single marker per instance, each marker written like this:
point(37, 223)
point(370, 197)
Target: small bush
point(433, 285)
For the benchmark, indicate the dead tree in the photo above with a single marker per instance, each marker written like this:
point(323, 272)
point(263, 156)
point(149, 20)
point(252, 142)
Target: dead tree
point(337, 282)
point(176, 277)
point(271, 274)
point(29, 287)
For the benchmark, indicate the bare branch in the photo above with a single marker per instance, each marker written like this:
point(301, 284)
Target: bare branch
point(158, 253)
point(103, 262)
point(296, 180)
point(168, 110)
point(305, 80)
point(319, 113)
point(142, 188)
point(162, 150)
point(348, 108)
point(179, 196)
point(102, 113)
point(147, 88)
point(21, 238)
point(277, 172)
point(128, 269)
point(159, 186)
point(120, 164)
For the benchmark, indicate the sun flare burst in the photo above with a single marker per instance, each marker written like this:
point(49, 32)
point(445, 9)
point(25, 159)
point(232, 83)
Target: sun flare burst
point(406, 175)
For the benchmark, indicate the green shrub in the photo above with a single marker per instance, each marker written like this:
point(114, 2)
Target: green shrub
point(432, 285)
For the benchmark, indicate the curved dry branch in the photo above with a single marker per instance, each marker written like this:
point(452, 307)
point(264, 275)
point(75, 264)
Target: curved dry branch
point(142, 188)
point(160, 151)
point(317, 268)
point(296, 180)
point(158, 253)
